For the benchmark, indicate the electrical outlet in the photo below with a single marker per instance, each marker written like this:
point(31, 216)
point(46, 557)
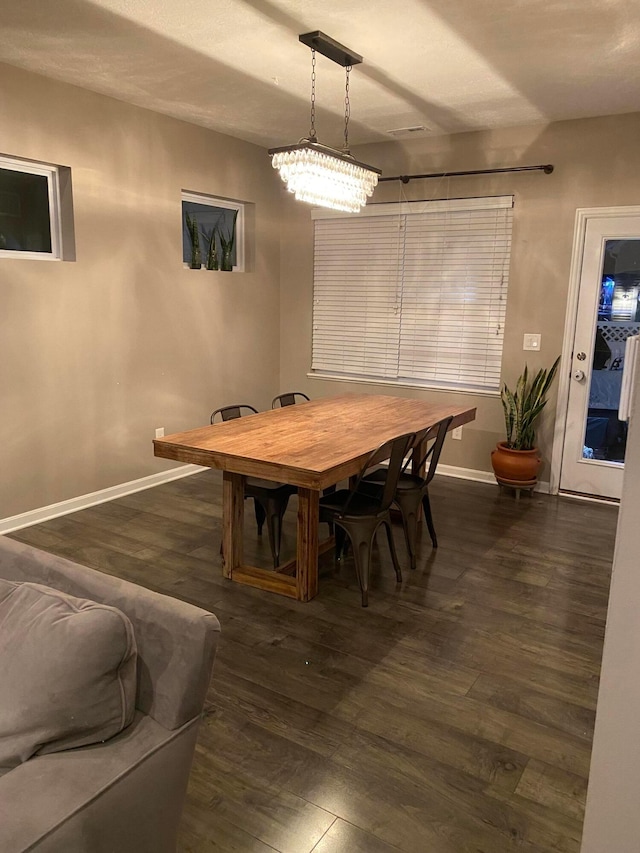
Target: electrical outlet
point(457, 433)
point(531, 342)
point(160, 432)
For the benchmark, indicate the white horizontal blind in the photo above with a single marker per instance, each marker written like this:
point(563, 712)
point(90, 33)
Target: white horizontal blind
point(413, 292)
point(454, 296)
point(356, 296)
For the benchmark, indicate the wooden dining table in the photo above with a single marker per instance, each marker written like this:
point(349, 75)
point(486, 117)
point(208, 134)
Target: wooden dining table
point(310, 445)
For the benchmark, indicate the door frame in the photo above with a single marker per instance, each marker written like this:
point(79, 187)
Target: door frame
point(583, 214)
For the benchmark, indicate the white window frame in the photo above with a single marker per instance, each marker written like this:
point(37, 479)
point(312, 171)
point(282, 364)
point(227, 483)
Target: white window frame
point(51, 173)
point(227, 204)
point(330, 282)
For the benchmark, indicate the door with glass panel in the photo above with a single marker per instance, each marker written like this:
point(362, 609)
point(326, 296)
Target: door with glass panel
point(608, 313)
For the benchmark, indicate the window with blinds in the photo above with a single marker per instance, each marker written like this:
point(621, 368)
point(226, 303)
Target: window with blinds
point(413, 293)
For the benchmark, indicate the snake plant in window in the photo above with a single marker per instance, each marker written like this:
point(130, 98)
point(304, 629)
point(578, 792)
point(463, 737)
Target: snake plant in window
point(212, 248)
point(194, 237)
point(516, 461)
point(227, 243)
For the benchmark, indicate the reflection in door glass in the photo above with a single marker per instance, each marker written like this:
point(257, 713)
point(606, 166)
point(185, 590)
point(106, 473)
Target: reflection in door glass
point(605, 436)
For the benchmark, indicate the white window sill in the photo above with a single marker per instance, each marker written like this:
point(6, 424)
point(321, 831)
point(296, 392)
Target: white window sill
point(394, 383)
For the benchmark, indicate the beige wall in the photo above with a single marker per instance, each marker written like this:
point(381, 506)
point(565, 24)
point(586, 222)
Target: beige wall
point(97, 353)
point(597, 164)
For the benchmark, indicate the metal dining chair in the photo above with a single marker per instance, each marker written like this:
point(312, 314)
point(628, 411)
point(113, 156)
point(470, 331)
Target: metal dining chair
point(288, 399)
point(412, 490)
point(360, 515)
point(270, 499)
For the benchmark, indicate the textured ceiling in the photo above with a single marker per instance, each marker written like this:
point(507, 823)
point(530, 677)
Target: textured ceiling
point(236, 66)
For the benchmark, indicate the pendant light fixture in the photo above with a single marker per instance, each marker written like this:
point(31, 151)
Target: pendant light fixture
point(316, 173)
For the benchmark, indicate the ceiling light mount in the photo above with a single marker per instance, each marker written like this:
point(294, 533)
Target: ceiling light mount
point(330, 48)
point(316, 173)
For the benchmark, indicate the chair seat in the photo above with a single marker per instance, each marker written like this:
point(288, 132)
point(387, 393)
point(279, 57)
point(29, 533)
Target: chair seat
point(405, 481)
point(409, 481)
point(360, 504)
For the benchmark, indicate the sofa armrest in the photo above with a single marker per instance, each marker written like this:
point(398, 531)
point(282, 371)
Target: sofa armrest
point(125, 794)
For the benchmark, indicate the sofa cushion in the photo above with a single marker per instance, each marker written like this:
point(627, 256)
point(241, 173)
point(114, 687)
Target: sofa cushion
point(67, 671)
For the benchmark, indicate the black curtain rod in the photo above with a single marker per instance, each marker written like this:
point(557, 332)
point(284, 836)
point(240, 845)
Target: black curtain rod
point(547, 169)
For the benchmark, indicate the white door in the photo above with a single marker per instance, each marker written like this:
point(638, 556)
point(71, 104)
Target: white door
point(608, 312)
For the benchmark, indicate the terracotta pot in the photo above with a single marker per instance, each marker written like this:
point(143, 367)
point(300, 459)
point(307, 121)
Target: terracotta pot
point(515, 466)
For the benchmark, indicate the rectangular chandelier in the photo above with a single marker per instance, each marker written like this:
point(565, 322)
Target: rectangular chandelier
point(324, 176)
point(316, 173)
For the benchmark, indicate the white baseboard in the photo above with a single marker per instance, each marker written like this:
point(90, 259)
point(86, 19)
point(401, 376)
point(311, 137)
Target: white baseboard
point(45, 513)
point(466, 473)
point(482, 476)
point(594, 499)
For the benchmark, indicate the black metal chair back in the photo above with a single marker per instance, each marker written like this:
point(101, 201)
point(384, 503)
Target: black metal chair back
point(288, 399)
point(433, 453)
point(412, 490)
point(230, 413)
point(359, 515)
point(395, 451)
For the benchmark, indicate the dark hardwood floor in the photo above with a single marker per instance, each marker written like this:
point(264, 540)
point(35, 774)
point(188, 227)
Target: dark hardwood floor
point(454, 715)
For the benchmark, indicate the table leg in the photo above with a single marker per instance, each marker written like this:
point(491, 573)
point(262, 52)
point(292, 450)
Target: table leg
point(307, 546)
point(232, 522)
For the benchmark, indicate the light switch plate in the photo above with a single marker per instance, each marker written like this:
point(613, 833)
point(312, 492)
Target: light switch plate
point(531, 342)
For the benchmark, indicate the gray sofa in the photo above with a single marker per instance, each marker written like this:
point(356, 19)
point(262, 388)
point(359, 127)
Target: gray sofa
point(124, 795)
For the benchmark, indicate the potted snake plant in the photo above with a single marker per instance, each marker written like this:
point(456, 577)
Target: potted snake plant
point(516, 461)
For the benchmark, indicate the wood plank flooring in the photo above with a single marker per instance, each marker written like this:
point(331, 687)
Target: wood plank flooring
point(454, 715)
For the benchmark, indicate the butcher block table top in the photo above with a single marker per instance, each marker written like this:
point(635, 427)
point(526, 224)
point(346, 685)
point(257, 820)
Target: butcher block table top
point(309, 443)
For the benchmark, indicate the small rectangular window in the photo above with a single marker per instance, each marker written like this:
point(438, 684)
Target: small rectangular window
point(30, 225)
point(212, 233)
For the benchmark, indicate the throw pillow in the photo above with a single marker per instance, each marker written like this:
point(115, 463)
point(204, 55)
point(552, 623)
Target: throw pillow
point(67, 672)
